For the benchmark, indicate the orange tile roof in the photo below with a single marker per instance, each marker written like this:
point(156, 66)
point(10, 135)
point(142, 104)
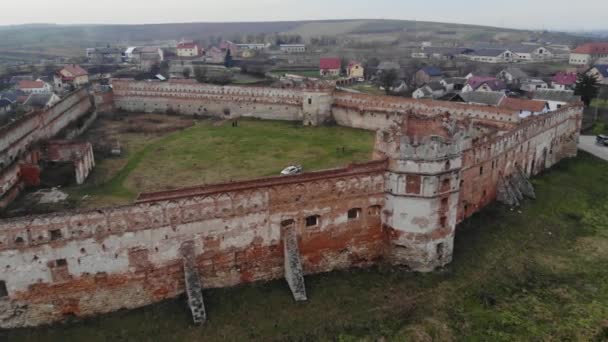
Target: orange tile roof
point(25, 84)
point(522, 105)
point(592, 49)
point(75, 70)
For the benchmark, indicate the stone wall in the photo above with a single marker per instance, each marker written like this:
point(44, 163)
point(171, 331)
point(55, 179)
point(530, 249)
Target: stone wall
point(19, 137)
point(536, 144)
point(403, 208)
point(85, 263)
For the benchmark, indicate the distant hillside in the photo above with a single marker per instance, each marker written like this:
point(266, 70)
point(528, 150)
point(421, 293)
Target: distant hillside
point(37, 37)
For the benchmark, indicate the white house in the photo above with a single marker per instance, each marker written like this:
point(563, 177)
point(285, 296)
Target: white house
point(253, 46)
point(491, 56)
point(432, 90)
point(41, 101)
point(533, 85)
point(556, 98)
point(531, 53)
point(512, 75)
point(188, 49)
point(524, 107)
point(293, 48)
point(34, 87)
point(600, 72)
point(586, 54)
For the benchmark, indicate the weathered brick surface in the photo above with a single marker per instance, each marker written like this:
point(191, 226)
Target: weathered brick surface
point(402, 208)
point(20, 137)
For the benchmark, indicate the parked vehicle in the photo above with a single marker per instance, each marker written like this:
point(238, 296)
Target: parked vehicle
point(602, 140)
point(292, 170)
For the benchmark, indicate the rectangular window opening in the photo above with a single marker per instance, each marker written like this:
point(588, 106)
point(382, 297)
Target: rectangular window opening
point(354, 213)
point(312, 221)
point(55, 234)
point(3, 289)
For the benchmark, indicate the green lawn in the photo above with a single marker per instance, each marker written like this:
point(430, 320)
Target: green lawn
point(303, 73)
point(212, 152)
point(534, 274)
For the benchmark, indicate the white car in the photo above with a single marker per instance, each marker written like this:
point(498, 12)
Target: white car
point(292, 170)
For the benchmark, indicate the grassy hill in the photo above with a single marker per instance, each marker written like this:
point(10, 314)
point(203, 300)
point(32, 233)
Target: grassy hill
point(46, 35)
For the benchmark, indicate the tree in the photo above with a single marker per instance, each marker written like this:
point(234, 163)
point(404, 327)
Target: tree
point(370, 66)
point(587, 86)
point(602, 98)
point(186, 72)
point(228, 59)
point(387, 78)
point(344, 65)
point(164, 69)
point(200, 74)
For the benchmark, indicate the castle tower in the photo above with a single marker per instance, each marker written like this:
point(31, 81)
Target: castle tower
point(422, 190)
point(316, 108)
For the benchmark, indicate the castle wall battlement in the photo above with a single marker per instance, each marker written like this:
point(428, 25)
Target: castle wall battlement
point(125, 257)
point(402, 208)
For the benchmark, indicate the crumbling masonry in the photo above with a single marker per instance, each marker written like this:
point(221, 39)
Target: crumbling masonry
point(435, 164)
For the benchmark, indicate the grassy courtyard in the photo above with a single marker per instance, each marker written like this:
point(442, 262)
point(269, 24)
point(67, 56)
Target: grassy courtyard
point(210, 152)
point(534, 274)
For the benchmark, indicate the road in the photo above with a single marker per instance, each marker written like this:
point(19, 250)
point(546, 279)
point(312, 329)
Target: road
point(587, 144)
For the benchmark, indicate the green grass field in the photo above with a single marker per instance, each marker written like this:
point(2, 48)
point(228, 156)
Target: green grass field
point(213, 152)
point(534, 274)
point(303, 73)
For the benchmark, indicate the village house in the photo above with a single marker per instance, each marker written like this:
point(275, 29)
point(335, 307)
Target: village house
point(253, 46)
point(129, 53)
point(215, 55)
point(491, 56)
point(441, 53)
point(41, 101)
point(34, 87)
point(480, 83)
point(453, 84)
point(512, 76)
point(105, 55)
point(600, 72)
point(16, 79)
point(71, 76)
point(432, 90)
point(524, 107)
point(148, 57)
point(487, 98)
point(533, 85)
point(531, 53)
point(330, 66)
point(427, 74)
point(355, 70)
point(292, 48)
point(188, 49)
point(563, 81)
point(556, 99)
point(586, 54)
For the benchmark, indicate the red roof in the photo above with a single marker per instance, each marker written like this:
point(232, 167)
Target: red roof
point(330, 63)
point(592, 49)
point(564, 78)
point(522, 105)
point(187, 46)
point(25, 84)
point(75, 69)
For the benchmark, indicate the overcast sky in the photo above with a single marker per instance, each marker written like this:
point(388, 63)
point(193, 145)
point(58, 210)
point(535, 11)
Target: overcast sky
point(536, 14)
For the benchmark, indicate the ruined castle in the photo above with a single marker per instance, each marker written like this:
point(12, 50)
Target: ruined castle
point(434, 165)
